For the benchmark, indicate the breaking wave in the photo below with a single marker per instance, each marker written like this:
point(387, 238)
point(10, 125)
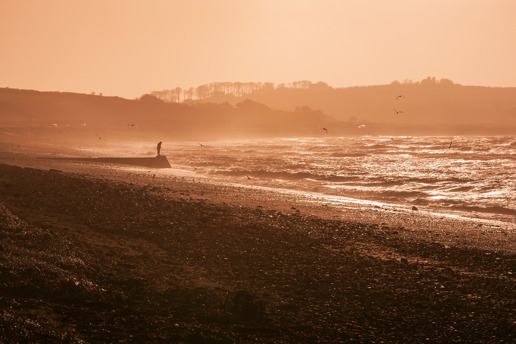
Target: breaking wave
point(475, 174)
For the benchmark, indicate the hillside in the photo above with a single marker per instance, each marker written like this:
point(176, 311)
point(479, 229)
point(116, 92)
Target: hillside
point(31, 114)
point(429, 106)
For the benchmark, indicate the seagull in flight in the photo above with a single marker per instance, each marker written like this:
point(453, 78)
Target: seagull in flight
point(325, 130)
point(398, 111)
point(400, 97)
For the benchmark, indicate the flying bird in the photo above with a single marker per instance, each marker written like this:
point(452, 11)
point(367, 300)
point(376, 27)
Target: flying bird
point(450, 144)
point(200, 144)
point(398, 111)
point(400, 97)
point(325, 130)
point(361, 126)
point(248, 177)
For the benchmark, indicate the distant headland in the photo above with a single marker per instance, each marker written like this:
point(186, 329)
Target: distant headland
point(253, 110)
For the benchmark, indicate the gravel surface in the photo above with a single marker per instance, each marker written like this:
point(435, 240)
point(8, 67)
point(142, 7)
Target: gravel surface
point(99, 255)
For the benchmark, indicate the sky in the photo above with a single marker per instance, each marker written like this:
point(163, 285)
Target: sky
point(128, 48)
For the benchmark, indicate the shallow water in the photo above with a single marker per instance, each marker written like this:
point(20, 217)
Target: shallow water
point(475, 175)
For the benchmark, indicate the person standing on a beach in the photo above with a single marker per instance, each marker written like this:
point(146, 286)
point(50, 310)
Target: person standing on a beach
point(158, 148)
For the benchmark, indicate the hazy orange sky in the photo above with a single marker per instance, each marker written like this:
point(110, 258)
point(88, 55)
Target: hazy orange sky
point(128, 48)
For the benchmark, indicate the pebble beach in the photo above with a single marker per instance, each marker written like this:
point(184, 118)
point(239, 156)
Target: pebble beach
point(93, 255)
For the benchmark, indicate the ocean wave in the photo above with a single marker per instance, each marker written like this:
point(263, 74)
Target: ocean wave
point(423, 180)
point(403, 194)
point(348, 155)
point(285, 175)
point(491, 209)
point(410, 170)
point(379, 145)
point(384, 183)
point(461, 189)
point(267, 174)
point(338, 179)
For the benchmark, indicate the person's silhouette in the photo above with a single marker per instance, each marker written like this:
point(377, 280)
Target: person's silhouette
point(159, 148)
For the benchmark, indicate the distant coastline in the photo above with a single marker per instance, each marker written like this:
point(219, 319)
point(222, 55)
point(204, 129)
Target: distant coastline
point(425, 108)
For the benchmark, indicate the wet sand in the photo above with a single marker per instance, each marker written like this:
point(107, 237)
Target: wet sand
point(90, 254)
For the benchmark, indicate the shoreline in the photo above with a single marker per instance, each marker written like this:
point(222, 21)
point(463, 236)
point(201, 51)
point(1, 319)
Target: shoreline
point(95, 255)
point(159, 161)
point(496, 215)
point(443, 228)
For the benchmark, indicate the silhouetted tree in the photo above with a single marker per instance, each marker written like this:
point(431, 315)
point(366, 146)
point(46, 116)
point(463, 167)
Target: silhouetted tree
point(322, 85)
point(202, 92)
point(188, 94)
point(150, 99)
point(447, 82)
point(267, 87)
point(428, 81)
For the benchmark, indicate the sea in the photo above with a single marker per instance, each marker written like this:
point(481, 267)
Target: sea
point(472, 176)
